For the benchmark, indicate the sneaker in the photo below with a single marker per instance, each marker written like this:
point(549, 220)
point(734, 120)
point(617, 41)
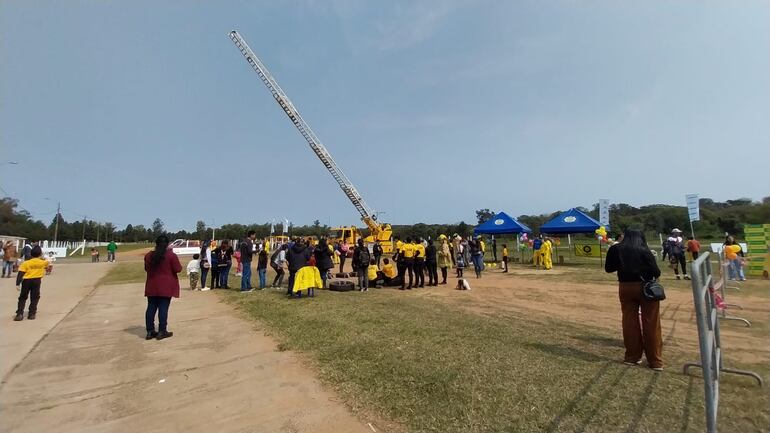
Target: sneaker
point(151, 335)
point(639, 362)
point(18, 318)
point(205, 289)
point(165, 334)
point(31, 316)
point(686, 277)
point(657, 368)
point(678, 277)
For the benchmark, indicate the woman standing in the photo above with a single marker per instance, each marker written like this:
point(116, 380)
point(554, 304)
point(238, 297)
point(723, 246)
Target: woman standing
point(634, 263)
point(444, 258)
point(205, 264)
point(323, 259)
point(162, 267)
point(343, 248)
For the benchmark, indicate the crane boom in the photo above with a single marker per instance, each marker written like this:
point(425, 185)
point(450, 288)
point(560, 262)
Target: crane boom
point(367, 215)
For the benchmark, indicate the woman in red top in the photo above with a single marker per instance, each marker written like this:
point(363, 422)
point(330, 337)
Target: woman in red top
point(162, 267)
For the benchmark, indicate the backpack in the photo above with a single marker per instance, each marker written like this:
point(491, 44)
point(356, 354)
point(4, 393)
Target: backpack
point(363, 257)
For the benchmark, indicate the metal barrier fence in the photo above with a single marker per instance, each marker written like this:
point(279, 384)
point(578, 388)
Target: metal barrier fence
point(704, 288)
point(724, 284)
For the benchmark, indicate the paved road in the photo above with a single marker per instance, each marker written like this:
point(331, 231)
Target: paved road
point(94, 372)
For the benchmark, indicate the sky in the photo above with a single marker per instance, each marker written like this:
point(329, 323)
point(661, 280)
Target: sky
point(128, 111)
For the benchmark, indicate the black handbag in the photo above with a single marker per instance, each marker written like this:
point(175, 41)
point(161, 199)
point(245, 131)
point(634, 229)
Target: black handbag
point(652, 290)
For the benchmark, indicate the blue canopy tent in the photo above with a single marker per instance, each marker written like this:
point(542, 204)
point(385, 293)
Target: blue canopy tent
point(572, 221)
point(501, 224)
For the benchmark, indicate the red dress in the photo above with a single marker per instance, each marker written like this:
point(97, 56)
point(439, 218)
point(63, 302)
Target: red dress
point(162, 280)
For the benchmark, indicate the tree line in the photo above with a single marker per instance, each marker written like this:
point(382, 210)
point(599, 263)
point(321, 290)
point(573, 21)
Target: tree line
point(717, 218)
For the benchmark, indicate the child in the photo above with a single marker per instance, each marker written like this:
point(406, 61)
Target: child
point(94, 255)
point(372, 272)
point(262, 268)
point(194, 271)
point(505, 258)
point(460, 264)
point(29, 277)
point(238, 264)
point(51, 259)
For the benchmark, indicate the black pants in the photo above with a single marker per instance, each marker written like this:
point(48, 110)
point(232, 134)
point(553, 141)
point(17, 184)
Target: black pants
point(279, 272)
point(505, 263)
point(694, 255)
point(409, 270)
point(432, 273)
point(681, 262)
point(29, 289)
point(443, 275)
point(343, 256)
point(159, 305)
point(419, 272)
point(292, 274)
point(401, 267)
point(214, 277)
point(377, 259)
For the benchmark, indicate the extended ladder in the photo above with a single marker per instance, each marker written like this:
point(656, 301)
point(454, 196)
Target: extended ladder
point(345, 184)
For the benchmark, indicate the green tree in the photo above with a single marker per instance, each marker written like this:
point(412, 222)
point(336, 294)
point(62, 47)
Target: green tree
point(482, 215)
point(157, 227)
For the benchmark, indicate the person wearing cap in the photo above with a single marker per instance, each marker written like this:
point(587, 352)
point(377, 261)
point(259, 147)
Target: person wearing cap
point(676, 253)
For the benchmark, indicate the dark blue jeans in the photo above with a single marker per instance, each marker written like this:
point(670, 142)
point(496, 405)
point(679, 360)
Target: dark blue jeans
point(246, 276)
point(204, 275)
point(262, 277)
point(223, 274)
point(159, 305)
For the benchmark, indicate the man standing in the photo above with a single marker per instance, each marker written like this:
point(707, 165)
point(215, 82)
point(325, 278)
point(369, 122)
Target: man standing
point(377, 252)
point(361, 264)
point(494, 248)
point(676, 253)
point(247, 252)
point(111, 248)
point(536, 245)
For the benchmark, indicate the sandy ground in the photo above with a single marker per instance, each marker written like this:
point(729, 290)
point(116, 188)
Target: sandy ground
point(93, 371)
point(596, 304)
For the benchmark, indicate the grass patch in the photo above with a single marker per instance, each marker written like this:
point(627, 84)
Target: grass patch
point(124, 273)
point(434, 368)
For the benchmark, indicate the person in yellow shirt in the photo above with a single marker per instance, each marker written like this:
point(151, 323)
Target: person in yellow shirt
point(733, 255)
point(372, 272)
point(388, 272)
point(419, 263)
point(505, 258)
point(29, 277)
point(407, 256)
point(545, 252)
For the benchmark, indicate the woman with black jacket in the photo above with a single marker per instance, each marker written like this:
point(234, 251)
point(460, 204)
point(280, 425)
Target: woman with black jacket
point(634, 263)
point(323, 259)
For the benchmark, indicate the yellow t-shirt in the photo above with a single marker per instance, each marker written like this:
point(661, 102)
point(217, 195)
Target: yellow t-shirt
point(483, 246)
point(371, 272)
point(389, 270)
point(421, 249)
point(731, 251)
point(505, 252)
point(408, 250)
point(399, 246)
point(33, 268)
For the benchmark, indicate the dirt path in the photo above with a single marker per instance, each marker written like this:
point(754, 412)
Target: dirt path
point(94, 372)
point(596, 304)
point(60, 292)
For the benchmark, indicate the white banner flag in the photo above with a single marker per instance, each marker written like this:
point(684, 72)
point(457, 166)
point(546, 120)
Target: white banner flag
point(604, 212)
point(693, 207)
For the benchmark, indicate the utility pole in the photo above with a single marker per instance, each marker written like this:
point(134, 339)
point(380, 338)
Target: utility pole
point(56, 228)
point(83, 251)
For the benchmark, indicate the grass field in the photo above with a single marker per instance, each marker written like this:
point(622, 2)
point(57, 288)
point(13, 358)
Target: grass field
point(435, 360)
point(122, 249)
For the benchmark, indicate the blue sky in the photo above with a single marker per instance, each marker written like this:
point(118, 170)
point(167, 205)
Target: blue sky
point(127, 111)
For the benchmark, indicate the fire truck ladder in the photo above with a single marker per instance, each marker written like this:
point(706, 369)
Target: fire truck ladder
point(367, 214)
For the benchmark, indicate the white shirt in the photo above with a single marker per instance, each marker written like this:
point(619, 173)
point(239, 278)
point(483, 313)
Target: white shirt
point(280, 258)
point(193, 267)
